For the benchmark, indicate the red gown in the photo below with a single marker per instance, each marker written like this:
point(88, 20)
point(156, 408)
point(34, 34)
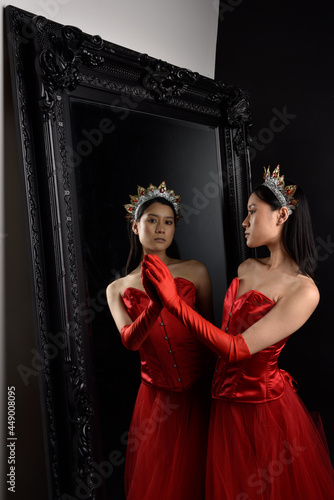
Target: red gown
point(262, 442)
point(167, 440)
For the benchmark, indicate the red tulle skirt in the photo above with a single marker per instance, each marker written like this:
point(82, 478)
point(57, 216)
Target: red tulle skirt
point(266, 451)
point(167, 444)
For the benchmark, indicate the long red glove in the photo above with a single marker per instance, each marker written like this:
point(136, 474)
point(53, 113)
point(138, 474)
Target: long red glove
point(231, 348)
point(133, 335)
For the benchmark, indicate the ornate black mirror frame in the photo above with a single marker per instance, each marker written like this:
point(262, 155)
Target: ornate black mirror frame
point(49, 64)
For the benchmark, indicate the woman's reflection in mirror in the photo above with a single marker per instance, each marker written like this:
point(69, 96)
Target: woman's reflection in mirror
point(167, 439)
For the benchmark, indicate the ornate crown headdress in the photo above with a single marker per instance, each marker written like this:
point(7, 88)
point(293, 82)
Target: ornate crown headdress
point(283, 193)
point(147, 194)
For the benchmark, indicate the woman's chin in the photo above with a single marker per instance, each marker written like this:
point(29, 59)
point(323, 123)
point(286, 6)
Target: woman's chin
point(250, 244)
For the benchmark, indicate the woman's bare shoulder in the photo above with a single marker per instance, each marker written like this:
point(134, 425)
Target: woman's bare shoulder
point(192, 266)
point(118, 286)
point(306, 288)
point(249, 265)
point(192, 269)
point(115, 286)
point(196, 264)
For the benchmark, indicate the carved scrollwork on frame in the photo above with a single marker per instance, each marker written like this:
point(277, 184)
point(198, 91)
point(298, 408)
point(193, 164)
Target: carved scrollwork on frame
point(80, 404)
point(63, 51)
point(81, 411)
point(236, 103)
point(17, 44)
point(164, 80)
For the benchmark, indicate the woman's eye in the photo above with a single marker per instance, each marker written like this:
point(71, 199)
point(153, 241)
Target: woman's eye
point(169, 222)
point(151, 220)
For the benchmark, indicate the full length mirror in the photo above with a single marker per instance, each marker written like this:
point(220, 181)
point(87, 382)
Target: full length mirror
point(94, 121)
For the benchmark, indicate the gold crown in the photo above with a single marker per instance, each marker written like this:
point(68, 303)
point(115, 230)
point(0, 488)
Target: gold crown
point(283, 193)
point(150, 193)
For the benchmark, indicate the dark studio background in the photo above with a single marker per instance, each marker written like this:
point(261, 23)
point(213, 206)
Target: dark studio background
point(282, 54)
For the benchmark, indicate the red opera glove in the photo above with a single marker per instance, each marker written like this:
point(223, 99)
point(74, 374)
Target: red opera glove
point(150, 288)
point(156, 275)
point(231, 348)
point(133, 335)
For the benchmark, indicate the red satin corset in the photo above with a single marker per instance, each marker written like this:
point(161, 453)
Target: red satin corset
point(171, 356)
point(258, 378)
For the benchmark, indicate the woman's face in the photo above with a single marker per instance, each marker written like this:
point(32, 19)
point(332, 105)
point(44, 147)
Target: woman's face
point(155, 228)
point(263, 226)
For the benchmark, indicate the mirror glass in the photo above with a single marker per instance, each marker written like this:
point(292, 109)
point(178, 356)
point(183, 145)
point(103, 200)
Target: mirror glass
point(114, 150)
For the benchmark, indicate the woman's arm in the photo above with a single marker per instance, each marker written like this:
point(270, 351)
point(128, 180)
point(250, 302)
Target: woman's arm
point(286, 317)
point(133, 333)
point(116, 305)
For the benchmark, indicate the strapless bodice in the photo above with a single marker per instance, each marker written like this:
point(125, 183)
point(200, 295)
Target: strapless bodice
point(171, 356)
point(258, 378)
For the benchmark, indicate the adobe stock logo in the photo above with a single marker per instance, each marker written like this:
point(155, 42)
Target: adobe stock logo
point(279, 121)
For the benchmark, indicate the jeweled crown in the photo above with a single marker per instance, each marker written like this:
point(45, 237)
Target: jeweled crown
point(284, 194)
point(150, 193)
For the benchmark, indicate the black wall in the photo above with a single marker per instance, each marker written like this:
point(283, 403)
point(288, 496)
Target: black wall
point(282, 53)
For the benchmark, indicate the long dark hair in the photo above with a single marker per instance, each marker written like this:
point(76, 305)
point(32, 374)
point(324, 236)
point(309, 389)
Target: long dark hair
point(298, 237)
point(135, 253)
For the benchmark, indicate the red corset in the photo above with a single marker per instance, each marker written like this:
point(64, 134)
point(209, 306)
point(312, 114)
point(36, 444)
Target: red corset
point(258, 378)
point(171, 356)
